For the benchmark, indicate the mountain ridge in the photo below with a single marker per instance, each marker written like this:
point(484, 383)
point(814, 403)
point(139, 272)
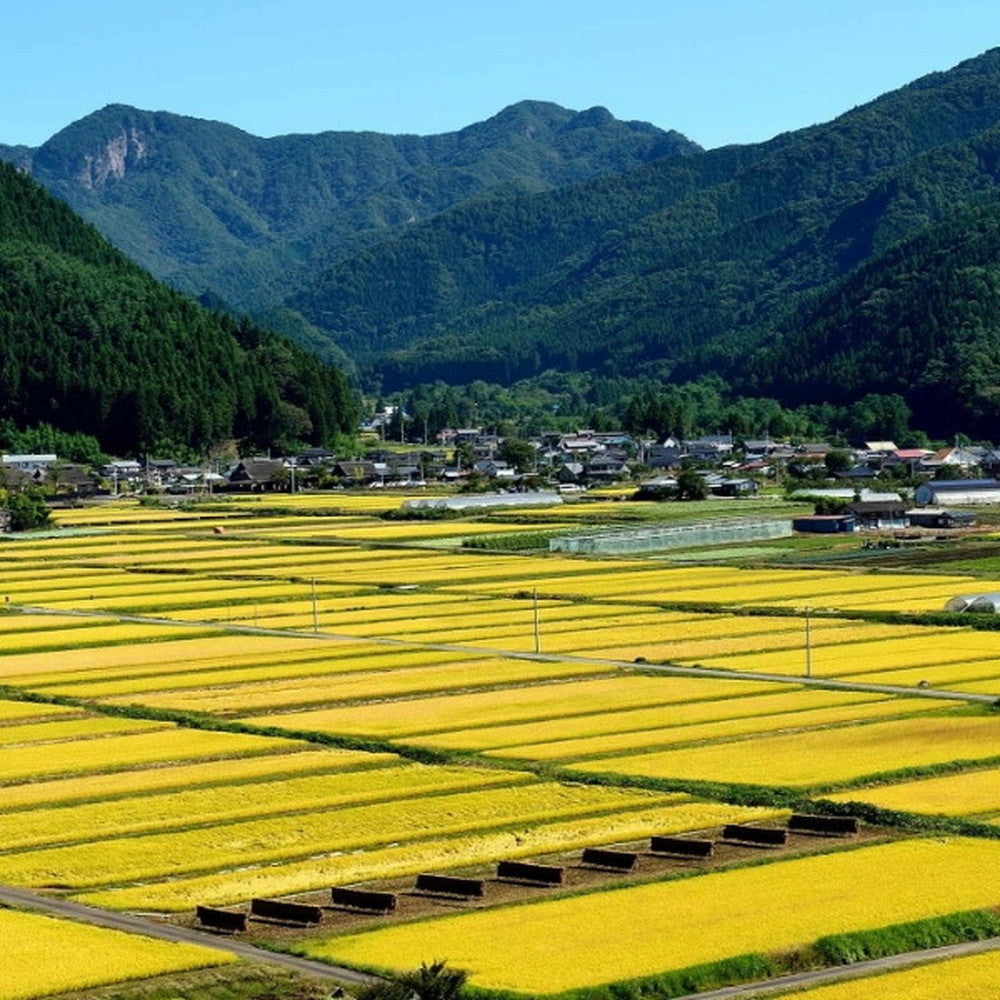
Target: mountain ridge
point(206, 205)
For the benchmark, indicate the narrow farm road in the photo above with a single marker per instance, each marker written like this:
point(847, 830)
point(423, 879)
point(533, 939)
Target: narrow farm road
point(450, 647)
point(133, 924)
point(843, 973)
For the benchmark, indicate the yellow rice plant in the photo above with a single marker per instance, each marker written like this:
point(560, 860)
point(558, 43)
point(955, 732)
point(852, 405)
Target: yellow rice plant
point(296, 836)
point(320, 690)
point(990, 687)
point(914, 648)
point(29, 623)
point(316, 673)
point(170, 650)
point(971, 977)
point(412, 717)
point(950, 676)
point(167, 598)
point(185, 555)
point(641, 720)
point(839, 639)
point(234, 772)
point(485, 848)
point(136, 586)
point(489, 619)
point(119, 753)
point(821, 757)
point(160, 811)
point(43, 956)
point(378, 531)
point(920, 598)
point(97, 635)
point(300, 656)
point(725, 729)
point(672, 925)
point(73, 729)
point(18, 711)
point(968, 794)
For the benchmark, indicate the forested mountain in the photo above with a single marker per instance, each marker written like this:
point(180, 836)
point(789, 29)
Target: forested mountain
point(921, 319)
point(89, 342)
point(647, 268)
point(204, 205)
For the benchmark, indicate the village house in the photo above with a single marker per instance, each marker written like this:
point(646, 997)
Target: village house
point(259, 475)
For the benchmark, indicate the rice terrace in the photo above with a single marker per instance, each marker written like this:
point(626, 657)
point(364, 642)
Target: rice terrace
point(382, 744)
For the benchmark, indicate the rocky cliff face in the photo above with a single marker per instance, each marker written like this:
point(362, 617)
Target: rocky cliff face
point(113, 159)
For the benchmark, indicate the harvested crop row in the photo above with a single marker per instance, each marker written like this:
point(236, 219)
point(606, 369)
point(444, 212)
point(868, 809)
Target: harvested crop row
point(298, 836)
point(527, 840)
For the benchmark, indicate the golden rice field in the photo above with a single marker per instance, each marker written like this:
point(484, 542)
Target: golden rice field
point(330, 665)
point(19, 711)
point(972, 977)
point(689, 921)
point(236, 772)
point(407, 718)
point(426, 678)
point(121, 752)
point(571, 751)
point(43, 956)
point(805, 759)
point(973, 793)
point(59, 731)
point(431, 646)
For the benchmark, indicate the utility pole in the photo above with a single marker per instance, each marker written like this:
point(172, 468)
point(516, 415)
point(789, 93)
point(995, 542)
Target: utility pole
point(538, 638)
point(315, 617)
point(809, 669)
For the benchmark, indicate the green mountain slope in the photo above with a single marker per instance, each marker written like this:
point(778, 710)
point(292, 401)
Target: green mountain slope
point(648, 267)
point(204, 205)
point(89, 342)
point(921, 320)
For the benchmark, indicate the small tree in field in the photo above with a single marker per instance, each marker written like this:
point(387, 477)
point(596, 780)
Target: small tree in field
point(691, 485)
point(430, 982)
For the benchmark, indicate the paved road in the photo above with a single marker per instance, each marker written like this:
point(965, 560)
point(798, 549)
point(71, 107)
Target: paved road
point(841, 973)
point(133, 924)
point(667, 669)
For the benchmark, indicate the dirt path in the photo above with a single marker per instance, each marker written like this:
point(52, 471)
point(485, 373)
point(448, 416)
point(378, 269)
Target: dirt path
point(23, 899)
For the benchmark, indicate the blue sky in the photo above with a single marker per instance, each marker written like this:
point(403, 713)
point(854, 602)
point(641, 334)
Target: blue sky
point(720, 71)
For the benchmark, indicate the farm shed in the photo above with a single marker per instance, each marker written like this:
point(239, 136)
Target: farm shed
point(981, 603)
point(933, 517)
point(828, 524)
point(936, 492)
